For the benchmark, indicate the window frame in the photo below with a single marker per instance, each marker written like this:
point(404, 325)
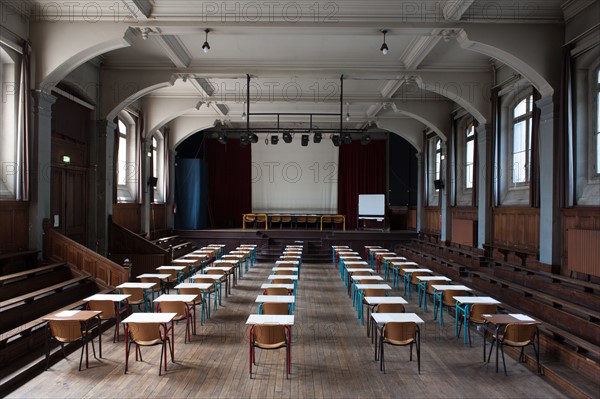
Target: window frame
point(127, 192)
point(594, 165)
point(528, 118)
point(157, 169)
point(470, 126)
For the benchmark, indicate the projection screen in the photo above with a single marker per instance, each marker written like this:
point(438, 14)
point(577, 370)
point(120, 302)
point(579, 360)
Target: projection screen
point(290, 178)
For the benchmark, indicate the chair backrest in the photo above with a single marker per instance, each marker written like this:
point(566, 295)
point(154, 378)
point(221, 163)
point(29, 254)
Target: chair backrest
point(362, 273)
point(214, 271)
point(326, 219)
point(477, 311)
point(137, 295)
point(338, 219)
point(276, 291)
point(65, 330)
point(250, 218)
point(289, 259)
point(447, 297)
point(400, 333)
point(519, 334)
point(269, 337)
point(275, 308)
point(106, 307)
point(172, 275)
point(375, 292)
point(145, 333)
point(192, 291)
point(261, 218)
point(283, 281)
point(284, 272)
point(301, 218)
point(311, 219)
point(174, 307)
point(207, 280)
point(155, 280)
point(414, 275)
point(276, 218)
point(286, 218)
point(390, 308)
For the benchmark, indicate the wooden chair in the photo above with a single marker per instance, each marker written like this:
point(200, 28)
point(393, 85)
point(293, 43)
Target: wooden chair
point(198, 301)
point(276, 291)
point(389, 308)
point(212, 290)
point(475, 316)
point(155, 280)
point(66, 332)
point(275, 219)
point(270, 337)
point(301, 219)
point(137, 297)
point(108, 310)
point(261, 219)
point(286, 220)
point(327, 221)
point(449, 301)
point(182, 313)
point(399, 334)
point(275, 308)
point(517, 335)
point(147, 334)
point(338, 221)
point(283, 281)
point(284, 272)
point(312, 220)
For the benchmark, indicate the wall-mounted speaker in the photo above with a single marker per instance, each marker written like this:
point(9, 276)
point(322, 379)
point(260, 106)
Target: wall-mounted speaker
point(152, 181)
point(438, 184)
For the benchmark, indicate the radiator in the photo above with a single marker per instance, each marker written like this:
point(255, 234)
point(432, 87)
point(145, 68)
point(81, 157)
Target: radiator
point(583, 248)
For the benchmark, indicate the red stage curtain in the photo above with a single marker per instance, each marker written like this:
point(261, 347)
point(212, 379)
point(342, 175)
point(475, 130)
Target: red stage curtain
point(229, 183)
point(362, 170)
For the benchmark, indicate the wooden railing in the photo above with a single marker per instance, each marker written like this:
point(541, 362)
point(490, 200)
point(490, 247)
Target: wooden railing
point(14, 219)
point(59, 248)
point(145, 255)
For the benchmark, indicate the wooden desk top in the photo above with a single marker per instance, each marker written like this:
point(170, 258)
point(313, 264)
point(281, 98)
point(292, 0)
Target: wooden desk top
point(269, 285)
point(279, 276)
point(176, 298)
point(132, 284)
point(511, 318)
point(108, 297)
point(78, 315)
point(377, 300)
point(396, 317)
point(271, 319)
point(487, 300)
point(200, 286)
point(274, 299)
point(149, 318)
point(154, 275)
point(444, 287)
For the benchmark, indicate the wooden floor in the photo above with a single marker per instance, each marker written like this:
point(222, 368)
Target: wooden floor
point(331, 355)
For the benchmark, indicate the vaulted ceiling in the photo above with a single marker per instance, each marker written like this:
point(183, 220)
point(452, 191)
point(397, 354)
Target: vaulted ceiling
point(296, 52)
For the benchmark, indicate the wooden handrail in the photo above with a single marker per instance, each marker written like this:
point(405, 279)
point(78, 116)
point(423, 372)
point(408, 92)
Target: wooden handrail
point(124, 241)
point(62, 249)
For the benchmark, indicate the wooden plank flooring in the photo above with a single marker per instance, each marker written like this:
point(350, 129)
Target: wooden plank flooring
point(331, 358)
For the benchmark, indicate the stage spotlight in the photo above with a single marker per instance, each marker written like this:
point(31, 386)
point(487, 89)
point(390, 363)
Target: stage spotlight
point(222, 138)
point(317, 137)
point(253, 138)
point(365, 139)
point(305, 140)
point(347, 139)
point(244, 139)
point(274, 139)
point(287, 137)
point(335, 139)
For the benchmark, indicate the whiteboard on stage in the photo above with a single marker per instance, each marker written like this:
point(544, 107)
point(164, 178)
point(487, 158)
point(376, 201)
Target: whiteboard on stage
point(371, 204)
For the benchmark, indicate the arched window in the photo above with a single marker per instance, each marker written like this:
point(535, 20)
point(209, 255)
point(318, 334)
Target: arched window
point(127, 160)
point(10, 136)
point(469, 155)
point(438, 160)
point(157, 151)
point(521, 140)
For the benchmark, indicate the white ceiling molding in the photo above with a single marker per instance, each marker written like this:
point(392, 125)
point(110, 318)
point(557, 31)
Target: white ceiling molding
point(143, 6)
point(175, 50)
point(204, 87)
point(453, 10)
point(573, 7)
point(418, 49)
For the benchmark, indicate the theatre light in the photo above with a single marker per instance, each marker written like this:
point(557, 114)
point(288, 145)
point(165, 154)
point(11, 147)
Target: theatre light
point(347, 139)
point(206, 46)
point(384, 48)
point(365, 139)
point(274, 139)
point(222, 138)
point(287, 137)
point(305, 140)
point(317, 137)
point(253, 138)
point(335, 139)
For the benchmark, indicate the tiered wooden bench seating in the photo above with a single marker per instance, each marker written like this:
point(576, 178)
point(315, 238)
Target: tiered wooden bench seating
point(15, 262)
point(13, 285)
point(568, 307)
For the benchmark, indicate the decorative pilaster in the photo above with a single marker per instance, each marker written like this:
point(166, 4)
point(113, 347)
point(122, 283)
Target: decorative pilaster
point(484, 185)
point(420, 191)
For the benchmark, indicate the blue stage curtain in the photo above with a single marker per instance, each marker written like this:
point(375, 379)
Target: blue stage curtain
point(188, 183)
point(362, 170)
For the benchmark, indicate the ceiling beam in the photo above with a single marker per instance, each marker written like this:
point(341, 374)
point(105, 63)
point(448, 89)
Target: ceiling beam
point(417, 50)
point(453, 10)
point(175, 50)
point(139, 6)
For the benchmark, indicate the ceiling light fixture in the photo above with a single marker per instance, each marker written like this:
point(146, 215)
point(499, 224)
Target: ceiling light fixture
point(274, 139)
point(305, 140)
point(384, 48)
point(206, 46)
point(317, 137)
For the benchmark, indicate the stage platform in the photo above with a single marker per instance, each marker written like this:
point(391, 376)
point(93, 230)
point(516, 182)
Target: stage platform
point(356, 239)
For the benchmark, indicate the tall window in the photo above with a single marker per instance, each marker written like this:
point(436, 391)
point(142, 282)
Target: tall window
point(438, 160)
point(127, 170)
point(158, 165)
point(469, 155)
point(10, 132)
point(597, 160)
point(521, 140)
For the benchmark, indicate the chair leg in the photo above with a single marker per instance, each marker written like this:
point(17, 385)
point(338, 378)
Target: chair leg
point(418, 357)
point(81, 356)
point(162, 354)
point(411, 345)
point(503, 362)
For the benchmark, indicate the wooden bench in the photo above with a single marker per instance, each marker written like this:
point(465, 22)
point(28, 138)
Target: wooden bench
point(15, 262)
point(164, 240)
point(17, 284)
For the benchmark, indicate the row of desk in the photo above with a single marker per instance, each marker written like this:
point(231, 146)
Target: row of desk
point(362, 275)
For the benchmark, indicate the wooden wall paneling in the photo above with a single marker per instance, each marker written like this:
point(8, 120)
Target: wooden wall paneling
point(433, 218)
point(14, 226)
point(411, 219)
point(128, 215)
point(584, 247)
point(516, 228)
